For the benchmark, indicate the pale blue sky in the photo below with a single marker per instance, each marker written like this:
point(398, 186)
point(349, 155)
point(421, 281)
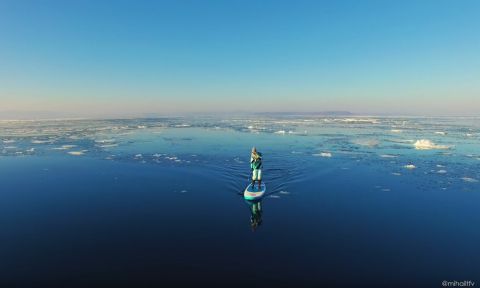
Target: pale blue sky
point(129, 57)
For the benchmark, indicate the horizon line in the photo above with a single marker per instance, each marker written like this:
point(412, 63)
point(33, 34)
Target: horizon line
point(329, 114)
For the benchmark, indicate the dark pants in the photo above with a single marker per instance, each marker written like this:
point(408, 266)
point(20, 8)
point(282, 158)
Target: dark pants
point(259, 183)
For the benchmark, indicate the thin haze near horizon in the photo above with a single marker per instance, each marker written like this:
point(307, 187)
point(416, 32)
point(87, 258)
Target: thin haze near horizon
point(103, 58)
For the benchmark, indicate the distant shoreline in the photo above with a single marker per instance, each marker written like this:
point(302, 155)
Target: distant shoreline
point(233, 115)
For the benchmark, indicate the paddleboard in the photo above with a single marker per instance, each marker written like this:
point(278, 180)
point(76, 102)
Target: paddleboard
point(254, 194)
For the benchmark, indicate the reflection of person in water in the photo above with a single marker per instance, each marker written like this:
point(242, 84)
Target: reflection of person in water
point(256, 217)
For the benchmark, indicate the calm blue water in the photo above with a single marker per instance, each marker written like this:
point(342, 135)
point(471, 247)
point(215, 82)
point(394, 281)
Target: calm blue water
point(360, 202)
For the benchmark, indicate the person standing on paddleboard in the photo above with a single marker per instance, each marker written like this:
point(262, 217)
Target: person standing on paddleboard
point(256, 166)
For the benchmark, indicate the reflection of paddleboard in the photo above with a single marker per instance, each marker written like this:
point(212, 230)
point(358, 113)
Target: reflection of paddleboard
point(253, 194)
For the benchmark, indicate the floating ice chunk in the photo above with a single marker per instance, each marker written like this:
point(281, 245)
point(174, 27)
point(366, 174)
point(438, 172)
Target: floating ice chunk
point(396, 131)
point(440, 166)
point(280, 132)
point(396, 174)
point(323, 154)
point(10, 147)
point(410, 166)
point(105, 141)
point(284, 192)
point(469, 135)
point(138, 156)
point(64, 147)
point(360, 120)
point(157, 155)
point(470, 180)
point(388, 156)
point(440, 133)
point(8, 141)
point(442, 171)
point(141, 127)
point(424, 144)
point(250, 127)
point(76, 153)
point(108, 145)
point(40, 141)
point(31, 150)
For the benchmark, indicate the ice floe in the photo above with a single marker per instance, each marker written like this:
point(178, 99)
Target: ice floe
point(359, 120)
point(388, 156)
point(64, 147)
point(105, 140)
point(323, 154)
point(425, 144)
point(409, 166)
point(40, 141)
point(470, 180)
point(108, 145)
